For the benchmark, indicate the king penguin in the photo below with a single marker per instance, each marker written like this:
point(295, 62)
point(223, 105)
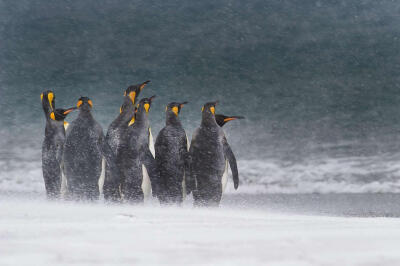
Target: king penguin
point(53, 144)
point(221, 121)
point(171, 152)
point(137, 160)
point(117, 139)
point(83, 154)
point(208, 153)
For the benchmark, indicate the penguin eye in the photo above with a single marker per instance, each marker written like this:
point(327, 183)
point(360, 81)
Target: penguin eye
point(90, 103)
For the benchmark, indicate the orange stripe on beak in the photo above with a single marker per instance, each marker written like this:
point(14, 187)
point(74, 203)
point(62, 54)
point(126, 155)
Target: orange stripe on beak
point(229, 119)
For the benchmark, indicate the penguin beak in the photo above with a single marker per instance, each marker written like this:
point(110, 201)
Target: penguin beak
point(69, 110)
point(146, 107)
point(50, 97)
point(132, 95)
point(175, 110)
point(182, 104)
point(144, 84)
point(233, 118)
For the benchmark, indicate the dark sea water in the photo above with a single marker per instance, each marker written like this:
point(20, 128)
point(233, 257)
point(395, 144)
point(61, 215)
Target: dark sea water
point(318, 82)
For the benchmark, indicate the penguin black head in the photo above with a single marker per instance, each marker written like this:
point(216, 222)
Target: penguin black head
point(209, 108)
point(84, 103)
point(48, 101)
point(144, 105)
point(174, 108)
point(133, 91)
point(223, 119)
point(61, 114)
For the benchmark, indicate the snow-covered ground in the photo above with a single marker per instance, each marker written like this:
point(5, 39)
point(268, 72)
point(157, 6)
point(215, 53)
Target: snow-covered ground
point(36, 232)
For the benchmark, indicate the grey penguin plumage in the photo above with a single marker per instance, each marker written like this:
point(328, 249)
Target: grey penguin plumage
point(117, 139)
point(209, 150)
point(53, 144)
point(83, 153)
point(137, 157)
point(171, 154)
point(221, 121)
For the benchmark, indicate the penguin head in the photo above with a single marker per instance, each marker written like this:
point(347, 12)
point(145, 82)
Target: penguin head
point(174, 108)
point(61, 114)
point(223, 119)
point(208, 113)
point(144, 105)
point(209, 108)
point(133, 91)
point(48, 101)
point(84, 103)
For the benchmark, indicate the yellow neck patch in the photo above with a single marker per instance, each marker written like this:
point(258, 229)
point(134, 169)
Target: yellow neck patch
point(132, 121)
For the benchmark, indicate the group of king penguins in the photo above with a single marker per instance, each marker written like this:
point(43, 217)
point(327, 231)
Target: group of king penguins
point(80, 163)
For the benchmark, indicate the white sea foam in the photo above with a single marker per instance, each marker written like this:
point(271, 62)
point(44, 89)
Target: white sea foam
point(20, 171)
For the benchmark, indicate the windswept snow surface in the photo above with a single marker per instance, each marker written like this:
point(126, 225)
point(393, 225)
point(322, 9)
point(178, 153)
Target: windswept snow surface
point(36, 232)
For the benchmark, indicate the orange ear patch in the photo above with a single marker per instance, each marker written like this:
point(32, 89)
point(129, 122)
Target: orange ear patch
point(175, 110)
point(79, 103)
point(90, 103)
point(212, 109)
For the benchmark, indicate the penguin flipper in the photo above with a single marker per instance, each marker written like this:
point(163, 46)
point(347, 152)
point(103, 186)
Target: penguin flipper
point(109, 187)
point(151, 144)
point(151, 168)
point(232, 163)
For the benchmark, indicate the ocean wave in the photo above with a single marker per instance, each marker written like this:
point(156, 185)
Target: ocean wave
point(20, 171)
